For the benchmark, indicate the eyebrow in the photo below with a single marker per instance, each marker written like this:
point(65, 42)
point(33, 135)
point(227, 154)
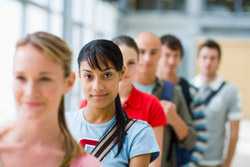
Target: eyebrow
point(41, 73)
point(155, 49)
point(105, 69)
point(45, 73)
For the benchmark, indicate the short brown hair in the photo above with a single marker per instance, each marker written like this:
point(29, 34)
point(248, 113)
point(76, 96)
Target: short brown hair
point(173, 43)
point(211, 44)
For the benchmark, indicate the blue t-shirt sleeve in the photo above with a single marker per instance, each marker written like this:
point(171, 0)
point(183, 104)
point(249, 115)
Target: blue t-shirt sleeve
point(142, 141)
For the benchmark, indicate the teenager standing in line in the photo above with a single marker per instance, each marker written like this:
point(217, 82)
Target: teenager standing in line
point(101, 69)
point(39, 137)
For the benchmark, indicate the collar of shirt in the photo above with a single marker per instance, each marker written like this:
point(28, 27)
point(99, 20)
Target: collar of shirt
point(214, 85)
point(144, 88)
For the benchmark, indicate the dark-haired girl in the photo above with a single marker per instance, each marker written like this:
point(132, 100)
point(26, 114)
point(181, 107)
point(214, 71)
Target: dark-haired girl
point(101, 69)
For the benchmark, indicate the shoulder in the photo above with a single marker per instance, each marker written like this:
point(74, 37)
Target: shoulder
point(231, 87)
point(146, 101)
point(85, 160)
point(231, 92)
point(147, 97)
point(138, 127)
point(196, 81)
point(4, 131)
point(141, 134)
point(177, 93)
point(184, 82)
point(140, 131)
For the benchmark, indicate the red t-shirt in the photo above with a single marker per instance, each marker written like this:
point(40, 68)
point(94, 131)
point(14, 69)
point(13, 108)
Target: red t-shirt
point(142, 106)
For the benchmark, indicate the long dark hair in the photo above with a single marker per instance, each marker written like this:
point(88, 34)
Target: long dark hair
point(104, 52)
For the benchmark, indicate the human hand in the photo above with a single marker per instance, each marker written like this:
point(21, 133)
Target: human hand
point(170, 111)
point(226, 164)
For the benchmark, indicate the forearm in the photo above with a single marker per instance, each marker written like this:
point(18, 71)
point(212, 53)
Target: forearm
point(231, 151)
point(141, 160)
point(232, 143)
point(180, 128)
point(158, 131)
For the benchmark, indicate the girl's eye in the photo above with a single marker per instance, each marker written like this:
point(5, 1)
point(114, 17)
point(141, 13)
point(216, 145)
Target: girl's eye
point(142, 52)
point(20, 78)
point(131, 63)
point(87, 76)
point(108, 75)
point(45, 79)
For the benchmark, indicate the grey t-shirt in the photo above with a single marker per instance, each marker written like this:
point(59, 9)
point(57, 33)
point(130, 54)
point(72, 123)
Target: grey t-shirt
point(222, 108)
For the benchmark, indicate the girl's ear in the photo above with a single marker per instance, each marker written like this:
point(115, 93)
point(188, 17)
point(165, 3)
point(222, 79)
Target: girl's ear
point(69, 82)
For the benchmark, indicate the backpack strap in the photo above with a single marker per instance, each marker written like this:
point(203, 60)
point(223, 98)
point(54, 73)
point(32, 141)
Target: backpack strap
point(168, 94)
point(208, 99)
point(168, 91)
point(210, 96)
point(108, 141)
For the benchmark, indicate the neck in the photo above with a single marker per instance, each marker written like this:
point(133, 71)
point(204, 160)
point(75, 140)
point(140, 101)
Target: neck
point(99, 115)
point(124, 91)
point(145, 79)
point(172, 77)
point(209, 78)
point(43, 132)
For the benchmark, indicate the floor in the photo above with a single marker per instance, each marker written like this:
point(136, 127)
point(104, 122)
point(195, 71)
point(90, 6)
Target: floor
point(242, 156)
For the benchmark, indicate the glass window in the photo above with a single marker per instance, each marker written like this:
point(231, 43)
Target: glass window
point(246, 5)
point(56, 23)
point(228, 5)
point(9, 32)
point(220, 5)
point(172, 4)
point(56, 5)
point(36, 19)
point(77, 13)
point(73, 100)
point(77, 43)
point(41, 2)
point(158, 5)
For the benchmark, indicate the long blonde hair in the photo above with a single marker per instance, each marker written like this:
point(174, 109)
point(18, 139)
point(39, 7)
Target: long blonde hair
point(57, 49)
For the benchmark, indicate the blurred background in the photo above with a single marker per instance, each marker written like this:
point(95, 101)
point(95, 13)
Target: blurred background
point(79, 21)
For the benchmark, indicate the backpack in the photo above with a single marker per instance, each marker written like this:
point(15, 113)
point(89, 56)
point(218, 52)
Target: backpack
point(184, 155)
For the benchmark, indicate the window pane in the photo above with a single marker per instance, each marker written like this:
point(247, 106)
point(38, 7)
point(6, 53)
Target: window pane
point(157, 5)
point(36, 19)
point(73, 98)
point(9, 32)
point(77, 5)
point(56, 5)
point(246, 5)
point(220, 5)
point(57, 25)
point(41, 2)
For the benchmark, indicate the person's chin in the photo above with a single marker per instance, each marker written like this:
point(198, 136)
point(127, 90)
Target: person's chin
point(99, 100)
point(99, 105)
point(31, 113)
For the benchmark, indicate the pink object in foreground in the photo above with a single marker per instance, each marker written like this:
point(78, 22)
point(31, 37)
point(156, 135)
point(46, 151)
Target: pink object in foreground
point(86, 160)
